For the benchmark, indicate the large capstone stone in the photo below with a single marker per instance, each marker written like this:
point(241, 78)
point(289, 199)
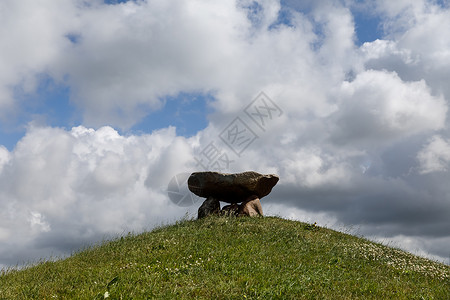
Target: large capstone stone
point(231, 188)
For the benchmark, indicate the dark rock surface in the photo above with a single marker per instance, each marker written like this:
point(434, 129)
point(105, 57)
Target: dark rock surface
point(210, 206)
point(230, 210)
point(231, 188)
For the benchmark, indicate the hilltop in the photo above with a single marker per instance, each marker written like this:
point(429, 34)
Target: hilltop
point(233, 258)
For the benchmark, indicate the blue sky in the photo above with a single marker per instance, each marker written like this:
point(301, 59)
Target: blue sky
point(50, 105)
point(110, 100)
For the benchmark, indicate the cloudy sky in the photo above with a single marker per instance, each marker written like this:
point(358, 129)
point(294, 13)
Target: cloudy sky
point(104, 103)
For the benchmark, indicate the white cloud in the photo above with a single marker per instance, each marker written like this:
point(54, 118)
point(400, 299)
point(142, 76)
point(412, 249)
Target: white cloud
point(430, 47)
point(84, 184)
point(4, 157)
point(37, 222)
point(418, 29)
point(120, 59)
point(435, 156)
point(311, 168)
point(130, 55)
point(379, 49)
point(32, 35)
point(378, 106)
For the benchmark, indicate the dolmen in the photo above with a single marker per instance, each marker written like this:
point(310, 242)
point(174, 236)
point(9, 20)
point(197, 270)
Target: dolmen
point(242, 191)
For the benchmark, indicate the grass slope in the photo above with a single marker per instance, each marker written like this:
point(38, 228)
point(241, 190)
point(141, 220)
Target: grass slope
point(233, 258)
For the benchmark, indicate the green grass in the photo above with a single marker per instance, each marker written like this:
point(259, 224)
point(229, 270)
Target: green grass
point(233, 258)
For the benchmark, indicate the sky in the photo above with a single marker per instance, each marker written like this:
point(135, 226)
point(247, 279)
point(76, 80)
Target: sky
point(105, 106)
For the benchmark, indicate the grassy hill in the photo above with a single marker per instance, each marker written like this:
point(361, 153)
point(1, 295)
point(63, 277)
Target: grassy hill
point(233, 258)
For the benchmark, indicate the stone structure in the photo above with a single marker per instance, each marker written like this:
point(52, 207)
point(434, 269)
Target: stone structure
point(250, 207)
point(210, 206)
point(231, 188)
point(230, 210)
point(246, 188)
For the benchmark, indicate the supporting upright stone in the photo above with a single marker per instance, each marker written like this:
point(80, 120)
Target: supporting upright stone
point(251, 207)
point(230, 210)
point(210, 206)
point(246, 188)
